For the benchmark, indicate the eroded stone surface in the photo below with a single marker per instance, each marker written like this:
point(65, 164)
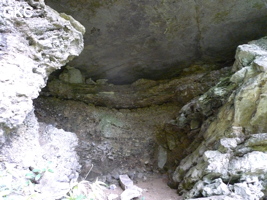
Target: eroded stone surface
point(31, 48)
point(129, 40)
point(142, 93)
point(233, 138)
point(125, 126)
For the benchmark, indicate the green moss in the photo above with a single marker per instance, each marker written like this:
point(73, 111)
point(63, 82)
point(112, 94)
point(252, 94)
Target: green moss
point(260, 148)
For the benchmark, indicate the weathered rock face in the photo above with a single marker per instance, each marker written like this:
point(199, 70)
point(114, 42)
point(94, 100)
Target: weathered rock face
point(123, 127)
point(32, 45)
point(230, 157)
point(156, 39)
point(32, 48)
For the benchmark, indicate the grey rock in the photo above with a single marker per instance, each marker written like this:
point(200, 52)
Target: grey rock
point(140, 94)
point(115, 174)
point(132, 174)
point(125, 182)
point(251, 163)
point(217, 163)
point(217, 187)
point(112, 187)
point(140, 175)
point(257, 140)
point(162, 157)
point(38, 52)
point(71, 75)
point(260, 64)
point(233, 146)
point(228, 144)
point(249, 191)
point(129, 40)
point(41, 44)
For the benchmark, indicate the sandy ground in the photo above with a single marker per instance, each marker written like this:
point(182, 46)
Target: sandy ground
point(153, 189)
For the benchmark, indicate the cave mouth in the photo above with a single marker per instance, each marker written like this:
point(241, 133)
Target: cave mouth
point(125, 129)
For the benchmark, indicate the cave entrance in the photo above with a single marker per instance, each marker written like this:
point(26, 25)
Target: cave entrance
point(124, 129)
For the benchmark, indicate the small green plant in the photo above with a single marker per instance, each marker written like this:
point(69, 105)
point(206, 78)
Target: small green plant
point(85, 190)
point(35, 175)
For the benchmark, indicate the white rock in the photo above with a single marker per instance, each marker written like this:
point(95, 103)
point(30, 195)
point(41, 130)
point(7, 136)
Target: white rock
point(251, 163)
point(248, 192)
point(125, 182)
point(227, 144)
point(217, 163)
point(131, 192)
point(218, 187)
point(33, 52)
point(245, 54)
point(257, 140)
point(260, 64)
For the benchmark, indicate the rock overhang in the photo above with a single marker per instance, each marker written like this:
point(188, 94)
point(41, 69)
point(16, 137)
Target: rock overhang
point(127, 40)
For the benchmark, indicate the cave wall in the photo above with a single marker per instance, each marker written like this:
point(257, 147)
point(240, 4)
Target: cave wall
point(229, 160)
point(223, 132)
point(124, 128)
point(156, 39)
point(31, 48)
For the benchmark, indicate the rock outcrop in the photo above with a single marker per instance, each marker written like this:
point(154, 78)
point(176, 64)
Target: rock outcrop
point(32, 48)
point(219, 139)
point(229, 154)
point(156, 39)
point(123, 128)
point(34, 41)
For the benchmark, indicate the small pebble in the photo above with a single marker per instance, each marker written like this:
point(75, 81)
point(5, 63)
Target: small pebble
point(112, 187)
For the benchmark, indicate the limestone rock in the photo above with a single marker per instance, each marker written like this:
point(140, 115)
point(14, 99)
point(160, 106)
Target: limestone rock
point(42, 147)
point(125, 182)
point(251, 189)
point(251, 163)
point(261, 64)
point(31, 48)
point(71, 75)
point(129, 40)
point(217, 163)
point(217, 187)
point(142, 93)
point(228, 144)
point(131, 193)
point(233, 147)
point(162, 157)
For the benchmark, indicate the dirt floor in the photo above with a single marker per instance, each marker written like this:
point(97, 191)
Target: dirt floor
point(154, 188)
